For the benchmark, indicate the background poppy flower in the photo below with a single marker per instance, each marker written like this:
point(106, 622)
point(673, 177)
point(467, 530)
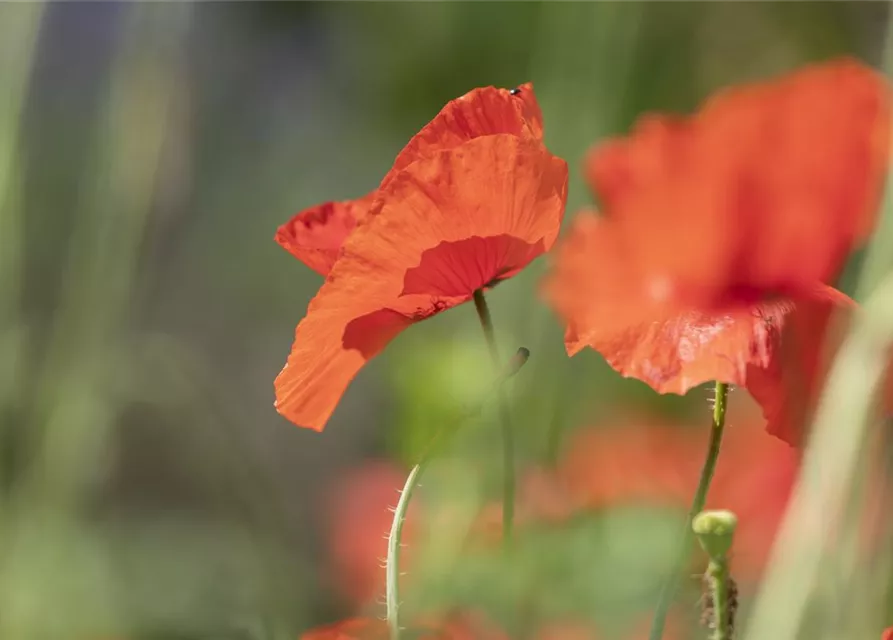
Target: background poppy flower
point(720, 232)
point(456, 626)
point(358, 516)
point(472, 200)
point(648, 461)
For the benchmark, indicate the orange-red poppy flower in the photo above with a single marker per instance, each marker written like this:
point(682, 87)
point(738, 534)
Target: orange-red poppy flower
point(470, 201)
point(888, 634)
point(721, 231)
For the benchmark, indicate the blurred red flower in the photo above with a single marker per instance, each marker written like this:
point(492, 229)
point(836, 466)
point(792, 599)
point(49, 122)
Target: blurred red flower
point(358, 516)
point(577, 630)
point(455, 626)
point(888, 634)
point(720, 232)
point(541, 498)
point(653, 462)
point(470, 201)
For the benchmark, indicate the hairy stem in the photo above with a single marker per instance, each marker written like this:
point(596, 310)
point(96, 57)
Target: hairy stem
point(718, 572)
point(684, 551)
point(392, 574)
point(392, 588)
point(508, 444)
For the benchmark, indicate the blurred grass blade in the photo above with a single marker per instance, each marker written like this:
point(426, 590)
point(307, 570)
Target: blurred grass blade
point(103, 254)
point(838, 444)
point(19, 28)
point(828, 470)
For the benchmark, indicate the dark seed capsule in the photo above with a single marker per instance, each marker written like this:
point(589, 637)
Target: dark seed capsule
point(516, 91)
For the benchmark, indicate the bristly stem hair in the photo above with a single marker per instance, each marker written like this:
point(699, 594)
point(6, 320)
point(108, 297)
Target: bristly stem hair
point(392, 571)
point(684, 551)
point(508, 444)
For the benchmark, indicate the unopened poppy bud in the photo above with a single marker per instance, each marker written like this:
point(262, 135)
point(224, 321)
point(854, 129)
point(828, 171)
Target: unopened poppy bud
point(715, 530)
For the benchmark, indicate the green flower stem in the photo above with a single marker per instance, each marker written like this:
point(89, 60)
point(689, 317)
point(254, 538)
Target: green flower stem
point(508, 445)
point(718, 571)
point(715, 531)
point(392, 588)
point(684, 551)
point(392, 572)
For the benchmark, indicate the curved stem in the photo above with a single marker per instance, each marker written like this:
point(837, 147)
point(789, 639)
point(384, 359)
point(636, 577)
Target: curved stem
point(684, 551)
point(392, 574)
point(392, 588)
point(508, 444)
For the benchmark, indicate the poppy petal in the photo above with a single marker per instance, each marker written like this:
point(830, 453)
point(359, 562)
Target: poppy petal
point(594, 288)
point(485, 209)
point(788, 387)
point(767, 188)
point(481, 112)
point(809, 162)
point(314, 236)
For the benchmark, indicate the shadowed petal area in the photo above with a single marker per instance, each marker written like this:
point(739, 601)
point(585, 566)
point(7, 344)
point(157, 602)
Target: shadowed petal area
point(453, 269)
point(788, 388)
point(314, 236)
point(487, 188)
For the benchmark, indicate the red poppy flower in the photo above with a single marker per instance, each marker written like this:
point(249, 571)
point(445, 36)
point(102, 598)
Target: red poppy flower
point(720, 232)
point(888, 634)
point(470, 201)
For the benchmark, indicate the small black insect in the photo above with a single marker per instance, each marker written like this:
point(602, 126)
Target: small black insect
point(514, 92)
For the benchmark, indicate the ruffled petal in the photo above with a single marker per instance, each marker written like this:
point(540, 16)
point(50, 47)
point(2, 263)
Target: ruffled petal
point(775, 348)
point(314, 236)
point(442, 228)
point(481, 112)
point(609, 307)
point(457, 221)
point(788, 386)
